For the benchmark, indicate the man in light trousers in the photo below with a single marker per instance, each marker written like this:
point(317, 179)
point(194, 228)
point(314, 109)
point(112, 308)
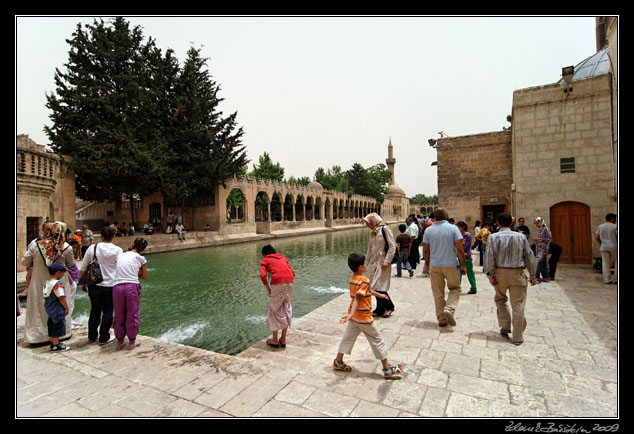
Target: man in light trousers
point(508, 254)
point(442, 243)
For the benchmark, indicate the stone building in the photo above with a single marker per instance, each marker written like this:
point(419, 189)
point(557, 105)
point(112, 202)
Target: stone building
point(248, 205)
point(45, 190)
point(559, 161)
point(475, 175)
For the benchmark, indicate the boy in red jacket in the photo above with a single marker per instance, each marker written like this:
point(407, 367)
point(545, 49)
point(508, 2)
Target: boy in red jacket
point(280, 289)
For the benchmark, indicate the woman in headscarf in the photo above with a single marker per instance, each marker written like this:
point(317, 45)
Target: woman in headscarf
point(542, 243)
point(52, 247)
point(378, 259)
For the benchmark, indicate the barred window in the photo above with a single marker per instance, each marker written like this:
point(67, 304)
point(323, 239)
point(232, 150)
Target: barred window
point(567, 165)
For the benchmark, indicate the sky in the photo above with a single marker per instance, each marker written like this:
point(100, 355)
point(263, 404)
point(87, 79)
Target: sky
point(320, 91)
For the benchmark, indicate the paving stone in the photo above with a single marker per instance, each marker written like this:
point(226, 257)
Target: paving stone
point(567, 366)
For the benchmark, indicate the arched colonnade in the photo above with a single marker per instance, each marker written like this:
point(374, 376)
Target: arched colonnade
point(273, 206)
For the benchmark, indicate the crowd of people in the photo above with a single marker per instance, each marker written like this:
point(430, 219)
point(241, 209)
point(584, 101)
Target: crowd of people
point(109, 275)
point(506, 251)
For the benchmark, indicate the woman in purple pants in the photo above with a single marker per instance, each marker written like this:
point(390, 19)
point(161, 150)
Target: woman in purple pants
point(126, 294)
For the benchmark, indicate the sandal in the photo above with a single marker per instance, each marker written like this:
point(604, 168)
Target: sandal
point(271, 344)
point(391, 371)
point(120, 345)
point(134, 344)
point(387, 313)
point(338, 365)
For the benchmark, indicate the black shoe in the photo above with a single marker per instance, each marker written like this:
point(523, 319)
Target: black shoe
point(59, 348)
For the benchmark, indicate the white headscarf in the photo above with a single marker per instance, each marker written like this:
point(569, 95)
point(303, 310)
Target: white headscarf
point(374, 220)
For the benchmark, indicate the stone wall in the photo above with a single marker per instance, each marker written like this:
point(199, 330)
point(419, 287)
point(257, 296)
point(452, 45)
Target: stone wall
point(474, 172)
point(553, 125)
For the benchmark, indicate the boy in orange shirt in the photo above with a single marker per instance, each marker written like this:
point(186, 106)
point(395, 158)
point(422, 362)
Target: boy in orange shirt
point(361, 321)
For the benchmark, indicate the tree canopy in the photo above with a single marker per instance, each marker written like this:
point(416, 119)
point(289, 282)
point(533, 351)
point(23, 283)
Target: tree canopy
point(266, 169)
point(129, 121)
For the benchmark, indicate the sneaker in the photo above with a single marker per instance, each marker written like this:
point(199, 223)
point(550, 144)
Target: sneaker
point(392, 371)
point(59, 348)
point(110, 339)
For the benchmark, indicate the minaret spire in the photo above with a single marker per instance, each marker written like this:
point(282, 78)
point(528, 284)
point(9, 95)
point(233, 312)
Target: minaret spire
point(390, 161)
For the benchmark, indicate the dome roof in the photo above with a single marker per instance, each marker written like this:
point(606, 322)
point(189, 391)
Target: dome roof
point(395, 190)
point(593, 66)
point(315, 184)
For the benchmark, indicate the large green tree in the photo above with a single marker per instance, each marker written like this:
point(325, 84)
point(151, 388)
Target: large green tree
point(204, 146)
point(266, 169)
point(130, 121)
point(332, 179)
point(371, 181)
point(103, 111)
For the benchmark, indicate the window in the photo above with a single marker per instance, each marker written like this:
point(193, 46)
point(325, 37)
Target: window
point(567, 165)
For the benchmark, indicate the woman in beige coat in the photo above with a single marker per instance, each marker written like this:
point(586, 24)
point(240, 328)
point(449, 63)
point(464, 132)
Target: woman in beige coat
point(39, 255)
point(378, 259)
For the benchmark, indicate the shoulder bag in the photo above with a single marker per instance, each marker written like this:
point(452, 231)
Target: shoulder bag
point(93, 274)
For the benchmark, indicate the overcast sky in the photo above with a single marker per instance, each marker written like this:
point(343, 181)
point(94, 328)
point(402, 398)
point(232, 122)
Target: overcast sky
point(324, 91)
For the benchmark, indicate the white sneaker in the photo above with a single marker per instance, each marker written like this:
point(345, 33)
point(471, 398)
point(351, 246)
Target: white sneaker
point(112, 338)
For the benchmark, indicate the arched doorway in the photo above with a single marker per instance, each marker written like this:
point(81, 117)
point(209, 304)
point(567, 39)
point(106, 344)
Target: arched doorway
point(570, 227)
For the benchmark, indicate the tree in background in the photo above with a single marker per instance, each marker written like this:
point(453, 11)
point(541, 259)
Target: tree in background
point(129, 121)
point(375, 181)
point(303, 180)
point(332, 179)
point(203, 147)
point(266, 169)
point(104, 111)
point(421, 199)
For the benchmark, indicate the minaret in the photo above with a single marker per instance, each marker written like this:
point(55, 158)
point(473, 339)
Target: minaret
point(390, 161)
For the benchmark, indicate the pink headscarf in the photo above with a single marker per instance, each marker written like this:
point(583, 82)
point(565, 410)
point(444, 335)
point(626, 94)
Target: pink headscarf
point(374, 221)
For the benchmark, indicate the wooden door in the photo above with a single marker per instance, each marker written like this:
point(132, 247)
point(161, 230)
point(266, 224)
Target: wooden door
point(570, 227)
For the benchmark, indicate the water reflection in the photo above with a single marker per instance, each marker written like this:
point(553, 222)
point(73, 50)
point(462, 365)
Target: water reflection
point(213, 298)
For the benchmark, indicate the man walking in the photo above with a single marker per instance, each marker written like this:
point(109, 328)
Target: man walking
point(442, 248)
point(607, 235)
point(507, 254)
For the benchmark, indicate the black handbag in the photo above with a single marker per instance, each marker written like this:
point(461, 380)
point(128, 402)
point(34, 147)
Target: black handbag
point(93, 274)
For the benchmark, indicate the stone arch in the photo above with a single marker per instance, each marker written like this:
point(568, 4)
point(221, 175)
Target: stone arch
point(300, 208)
point(309, 209)
point(276, 207)
point(236, 206)
point(262, 213)
point(289, 208)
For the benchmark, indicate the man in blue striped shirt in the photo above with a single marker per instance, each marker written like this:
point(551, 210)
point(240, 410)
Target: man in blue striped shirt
point(507, 254)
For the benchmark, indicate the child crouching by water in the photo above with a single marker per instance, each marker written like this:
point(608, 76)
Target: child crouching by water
point(360, 320)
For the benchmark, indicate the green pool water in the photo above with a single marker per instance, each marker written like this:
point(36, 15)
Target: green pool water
point(213, 298)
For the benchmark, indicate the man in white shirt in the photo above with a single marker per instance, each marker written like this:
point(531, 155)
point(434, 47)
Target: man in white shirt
point(607, 235)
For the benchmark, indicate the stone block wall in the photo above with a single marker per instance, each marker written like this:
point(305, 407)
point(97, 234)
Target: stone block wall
point(474, 171)
point(551, 123)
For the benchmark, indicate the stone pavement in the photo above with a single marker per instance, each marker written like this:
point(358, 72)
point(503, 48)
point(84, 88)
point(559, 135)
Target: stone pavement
point(567, 366)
